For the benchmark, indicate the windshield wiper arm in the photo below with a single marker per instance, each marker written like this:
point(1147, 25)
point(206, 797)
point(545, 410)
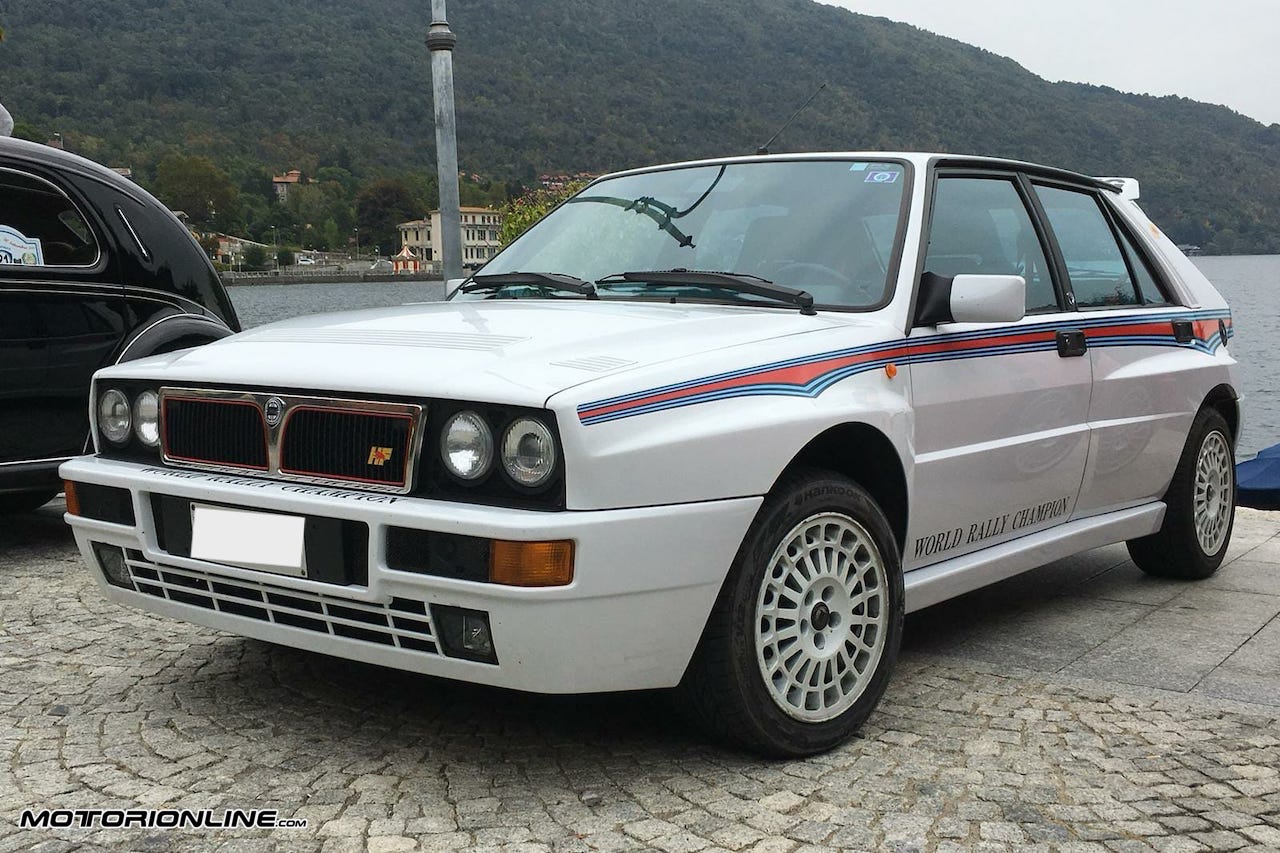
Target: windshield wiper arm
point(559, 281)
point(740, 282)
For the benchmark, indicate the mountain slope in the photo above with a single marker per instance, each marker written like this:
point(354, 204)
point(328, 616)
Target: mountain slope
point(601, 84)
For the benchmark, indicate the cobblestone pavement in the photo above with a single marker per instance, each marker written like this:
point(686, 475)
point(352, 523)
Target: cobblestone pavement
point(102, 706)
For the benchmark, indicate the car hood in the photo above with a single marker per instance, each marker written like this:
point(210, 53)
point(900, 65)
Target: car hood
point(517, 352)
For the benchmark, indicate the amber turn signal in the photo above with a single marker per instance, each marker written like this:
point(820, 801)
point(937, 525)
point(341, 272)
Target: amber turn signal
point(73, 499)
point(531, 563)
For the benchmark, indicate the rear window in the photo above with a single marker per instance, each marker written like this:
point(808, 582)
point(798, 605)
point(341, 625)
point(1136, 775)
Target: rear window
point(40, 226)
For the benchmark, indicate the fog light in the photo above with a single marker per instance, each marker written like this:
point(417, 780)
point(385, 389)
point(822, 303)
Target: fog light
point(475, 635)
point(464, 633)
point(531, 563)
point(111, 559)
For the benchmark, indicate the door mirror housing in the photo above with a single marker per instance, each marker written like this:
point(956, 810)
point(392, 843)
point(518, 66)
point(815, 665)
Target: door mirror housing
point(971, 299)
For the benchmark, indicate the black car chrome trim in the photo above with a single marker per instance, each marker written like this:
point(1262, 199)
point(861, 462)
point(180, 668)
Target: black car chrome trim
point(416, 413)
point(142, 247)
point(137, 336)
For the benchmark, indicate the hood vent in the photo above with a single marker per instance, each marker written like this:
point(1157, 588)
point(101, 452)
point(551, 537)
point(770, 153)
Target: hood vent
point(595, 363)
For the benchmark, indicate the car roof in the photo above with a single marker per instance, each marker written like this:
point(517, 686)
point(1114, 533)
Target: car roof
point(919, 159)
point(63, 161)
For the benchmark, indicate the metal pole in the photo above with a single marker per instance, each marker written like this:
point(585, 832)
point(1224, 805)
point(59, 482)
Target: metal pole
point(440, 41)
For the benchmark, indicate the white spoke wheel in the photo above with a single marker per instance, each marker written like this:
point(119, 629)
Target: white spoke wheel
point(1214, 492)
point(802, 639)
point(1200, 506)
point(821, 617)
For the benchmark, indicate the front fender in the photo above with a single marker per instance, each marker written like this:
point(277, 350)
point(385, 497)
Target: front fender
point(170, 329)
point(719, 449)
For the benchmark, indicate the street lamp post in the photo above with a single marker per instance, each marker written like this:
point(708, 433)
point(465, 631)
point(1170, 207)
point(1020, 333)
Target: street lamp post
point(275, 250)
point(440, 42)
point(357, 230)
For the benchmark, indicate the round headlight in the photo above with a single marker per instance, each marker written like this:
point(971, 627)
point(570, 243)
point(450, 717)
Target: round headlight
point(529, 452)
point(146, 418)
point(466, 445)
point(113, 416)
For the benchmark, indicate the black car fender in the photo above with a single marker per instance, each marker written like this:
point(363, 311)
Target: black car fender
point(172, 332)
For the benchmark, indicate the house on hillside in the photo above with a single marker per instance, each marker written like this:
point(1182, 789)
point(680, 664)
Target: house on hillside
point(282, 183)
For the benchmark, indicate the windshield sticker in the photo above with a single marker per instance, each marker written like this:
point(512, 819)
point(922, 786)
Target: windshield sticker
point(882, 177)
point(859, 167)
point(17, 248)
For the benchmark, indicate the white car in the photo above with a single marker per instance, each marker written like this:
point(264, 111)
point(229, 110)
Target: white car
point(712, 426)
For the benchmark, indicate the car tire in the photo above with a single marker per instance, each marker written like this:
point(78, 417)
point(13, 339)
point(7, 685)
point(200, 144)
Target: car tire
point(795, 656)
point(15, 503)
point(1196, 531)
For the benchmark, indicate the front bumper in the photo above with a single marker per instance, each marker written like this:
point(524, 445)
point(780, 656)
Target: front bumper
point(644, 582)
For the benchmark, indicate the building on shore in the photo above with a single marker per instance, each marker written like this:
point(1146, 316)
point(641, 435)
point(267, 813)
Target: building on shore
point(481, 227)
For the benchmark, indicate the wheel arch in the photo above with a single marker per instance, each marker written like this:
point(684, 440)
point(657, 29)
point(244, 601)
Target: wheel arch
point(1226, 401)
point(867, 456)
point(161, 335)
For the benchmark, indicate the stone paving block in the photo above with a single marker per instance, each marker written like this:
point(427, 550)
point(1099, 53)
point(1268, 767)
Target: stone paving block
point(1210, 623)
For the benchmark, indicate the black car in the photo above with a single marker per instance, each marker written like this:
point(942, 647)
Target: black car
point(93, 271)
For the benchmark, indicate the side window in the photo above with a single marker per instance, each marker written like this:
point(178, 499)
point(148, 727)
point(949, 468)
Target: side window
point(980, 225)
point(1149, 290)
point(39, 226)
point(1096, 267)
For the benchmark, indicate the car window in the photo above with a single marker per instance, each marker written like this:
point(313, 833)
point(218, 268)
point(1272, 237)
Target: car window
point(1095, 265)
point(825, 226)
point(39, 226)
point(1149, 290)
point(981, 226)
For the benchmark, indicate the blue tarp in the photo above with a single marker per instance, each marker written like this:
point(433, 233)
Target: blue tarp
point(1258, 480)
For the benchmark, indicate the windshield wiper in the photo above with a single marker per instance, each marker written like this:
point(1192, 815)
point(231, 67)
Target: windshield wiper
point(740, 282)
point(556, 280)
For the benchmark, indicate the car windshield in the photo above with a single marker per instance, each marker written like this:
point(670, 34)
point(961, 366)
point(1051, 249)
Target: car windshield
point(827, 227)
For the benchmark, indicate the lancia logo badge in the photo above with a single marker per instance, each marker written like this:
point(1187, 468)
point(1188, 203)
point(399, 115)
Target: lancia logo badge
point(274, 411)
point(379, 456)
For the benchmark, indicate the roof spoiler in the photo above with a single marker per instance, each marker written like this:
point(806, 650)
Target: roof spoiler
point(1128, 187)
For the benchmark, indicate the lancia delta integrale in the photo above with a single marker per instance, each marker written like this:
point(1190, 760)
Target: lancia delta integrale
point(711, 426)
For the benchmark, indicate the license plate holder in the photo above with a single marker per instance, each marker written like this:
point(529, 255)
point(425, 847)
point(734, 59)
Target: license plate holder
point(269, 542)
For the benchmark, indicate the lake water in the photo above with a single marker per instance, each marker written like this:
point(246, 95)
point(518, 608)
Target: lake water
point(1250, 283)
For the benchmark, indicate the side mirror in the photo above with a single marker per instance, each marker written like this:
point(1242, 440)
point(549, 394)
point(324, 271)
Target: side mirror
point(452, 285)
point(971, 299)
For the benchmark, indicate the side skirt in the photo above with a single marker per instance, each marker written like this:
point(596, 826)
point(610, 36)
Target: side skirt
point(941, 581)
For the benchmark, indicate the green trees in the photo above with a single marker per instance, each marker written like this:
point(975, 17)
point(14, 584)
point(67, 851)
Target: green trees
point(200, 189)
point(521, 212)
point(380, 207)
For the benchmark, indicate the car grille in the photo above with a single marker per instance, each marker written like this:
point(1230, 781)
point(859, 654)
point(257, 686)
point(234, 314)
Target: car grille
point(404, 624)
point(359, 446)
point(218, 432)
point(319, 440)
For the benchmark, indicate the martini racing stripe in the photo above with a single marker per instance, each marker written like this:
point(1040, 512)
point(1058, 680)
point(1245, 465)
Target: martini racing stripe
point(809, 376)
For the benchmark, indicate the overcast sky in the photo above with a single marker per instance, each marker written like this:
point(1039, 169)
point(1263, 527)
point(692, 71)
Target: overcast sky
point(1223, 52)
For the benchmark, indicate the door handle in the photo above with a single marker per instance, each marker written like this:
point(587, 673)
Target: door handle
point(1183, 331)
point(1071, 343)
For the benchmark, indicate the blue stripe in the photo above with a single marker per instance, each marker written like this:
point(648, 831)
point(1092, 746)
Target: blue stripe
point(820, 383)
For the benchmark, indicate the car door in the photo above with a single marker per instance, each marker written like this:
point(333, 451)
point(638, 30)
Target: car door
point(62, 321)
point(1142, 403)
point(1001, 409)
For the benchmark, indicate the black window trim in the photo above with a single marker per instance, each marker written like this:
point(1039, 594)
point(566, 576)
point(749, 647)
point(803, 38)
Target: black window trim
point(1131, 237)
point(98, 261)
point(941, 170)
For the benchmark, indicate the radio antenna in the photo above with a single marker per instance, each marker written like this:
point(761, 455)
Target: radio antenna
point(764, 149)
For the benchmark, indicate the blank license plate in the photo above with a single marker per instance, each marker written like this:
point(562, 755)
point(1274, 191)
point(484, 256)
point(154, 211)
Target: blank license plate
point(252, 540)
